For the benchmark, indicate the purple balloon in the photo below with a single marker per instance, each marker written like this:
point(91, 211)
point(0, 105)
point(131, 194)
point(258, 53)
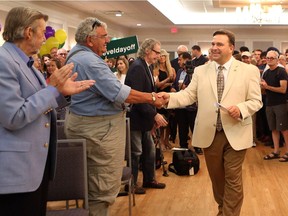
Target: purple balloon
point(50, 32)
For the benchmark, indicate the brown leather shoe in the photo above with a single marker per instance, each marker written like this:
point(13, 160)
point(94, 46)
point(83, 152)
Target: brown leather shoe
point(154, 184)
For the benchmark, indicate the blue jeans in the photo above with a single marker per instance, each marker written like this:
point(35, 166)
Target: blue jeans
point(142, 144)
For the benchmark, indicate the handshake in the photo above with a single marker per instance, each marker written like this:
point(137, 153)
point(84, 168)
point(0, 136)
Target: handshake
point(162, 98)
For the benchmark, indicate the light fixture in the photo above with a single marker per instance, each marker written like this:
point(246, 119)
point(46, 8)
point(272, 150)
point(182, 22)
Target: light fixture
point(256, 12)
point(114, 13)
point(261, 14)
point(119, 13)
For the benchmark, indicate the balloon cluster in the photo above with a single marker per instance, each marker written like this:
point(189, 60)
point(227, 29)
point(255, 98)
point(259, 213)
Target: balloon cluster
point(53, 39)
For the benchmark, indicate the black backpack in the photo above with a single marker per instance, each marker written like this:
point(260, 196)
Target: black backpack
point(184, 162)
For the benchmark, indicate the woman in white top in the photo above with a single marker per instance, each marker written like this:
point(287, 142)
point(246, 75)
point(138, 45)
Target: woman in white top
point(122, 66)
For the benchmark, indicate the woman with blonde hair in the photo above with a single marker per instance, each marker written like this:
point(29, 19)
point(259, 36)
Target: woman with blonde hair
point(164, 75)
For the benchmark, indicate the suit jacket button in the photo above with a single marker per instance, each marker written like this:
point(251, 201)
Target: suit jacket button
point(47, 125)
point(46, 145)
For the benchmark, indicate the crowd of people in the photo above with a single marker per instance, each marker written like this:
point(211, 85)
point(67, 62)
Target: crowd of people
point(181, 97)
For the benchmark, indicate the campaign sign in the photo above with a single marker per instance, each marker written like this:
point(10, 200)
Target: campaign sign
point(123, 46)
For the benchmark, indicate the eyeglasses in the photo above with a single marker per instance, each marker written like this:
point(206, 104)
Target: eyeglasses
point(270, 58)
point(63, 54)
point(158, 53)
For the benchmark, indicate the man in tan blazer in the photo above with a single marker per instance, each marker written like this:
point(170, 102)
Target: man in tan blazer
point(224, 146)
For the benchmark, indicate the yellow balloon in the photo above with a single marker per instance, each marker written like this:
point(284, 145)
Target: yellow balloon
point(51, 42)
point(43, 50)
point(61, 35)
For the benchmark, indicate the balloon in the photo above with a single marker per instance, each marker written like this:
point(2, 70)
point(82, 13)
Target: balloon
point(43, 50)
point(51, 42)
point(61, 45)
point(61, 35)
point(50, 32)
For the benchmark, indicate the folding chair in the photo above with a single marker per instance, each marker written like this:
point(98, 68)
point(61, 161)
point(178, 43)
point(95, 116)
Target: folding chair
point(127, 176)
point(70, 181)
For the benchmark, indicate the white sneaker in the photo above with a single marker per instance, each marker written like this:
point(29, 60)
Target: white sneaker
point(254, 144)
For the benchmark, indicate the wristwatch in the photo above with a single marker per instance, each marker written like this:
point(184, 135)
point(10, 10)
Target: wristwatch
point(153, 97)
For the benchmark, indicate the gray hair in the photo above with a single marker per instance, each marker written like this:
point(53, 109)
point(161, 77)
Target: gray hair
point(147, 44)
point(276, 54)
point(18, 19)
point(86, 28)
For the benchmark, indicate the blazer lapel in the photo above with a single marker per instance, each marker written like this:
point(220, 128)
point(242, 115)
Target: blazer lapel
point(213, 79)
point(230, 78)
point(23, 66)
point(149, 74)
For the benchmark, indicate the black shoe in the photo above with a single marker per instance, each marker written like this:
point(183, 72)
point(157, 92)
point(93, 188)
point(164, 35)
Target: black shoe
point(137, 189)
point(122, 193)
point(198, 151)
point(154, 184)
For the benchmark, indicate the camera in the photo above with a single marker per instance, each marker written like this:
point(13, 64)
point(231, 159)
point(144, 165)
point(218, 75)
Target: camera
point(189, 67)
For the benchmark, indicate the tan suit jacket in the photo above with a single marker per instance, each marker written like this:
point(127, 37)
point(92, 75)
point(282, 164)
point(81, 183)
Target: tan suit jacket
point(241, 89)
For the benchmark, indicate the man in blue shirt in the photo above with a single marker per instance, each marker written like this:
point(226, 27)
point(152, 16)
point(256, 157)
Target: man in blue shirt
point(98, 114)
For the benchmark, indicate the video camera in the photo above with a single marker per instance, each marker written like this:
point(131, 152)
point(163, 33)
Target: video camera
point(189, 67)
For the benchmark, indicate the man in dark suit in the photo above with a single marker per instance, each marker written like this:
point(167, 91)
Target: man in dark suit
point(144, 117)
point(27, 117)
point(172, 119)
point(174, 62)
point(198, 57)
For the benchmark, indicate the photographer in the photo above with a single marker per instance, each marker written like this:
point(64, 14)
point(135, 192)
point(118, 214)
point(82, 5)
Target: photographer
point(185, 116)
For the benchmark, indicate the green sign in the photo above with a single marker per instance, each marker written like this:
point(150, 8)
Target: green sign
point(123, 46)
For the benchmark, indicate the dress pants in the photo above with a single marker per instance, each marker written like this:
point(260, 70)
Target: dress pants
point(27, 204)
point(224, 165)
point(142, 144)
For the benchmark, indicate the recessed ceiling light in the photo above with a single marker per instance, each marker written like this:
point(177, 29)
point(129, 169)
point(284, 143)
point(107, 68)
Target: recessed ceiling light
point(139, 24)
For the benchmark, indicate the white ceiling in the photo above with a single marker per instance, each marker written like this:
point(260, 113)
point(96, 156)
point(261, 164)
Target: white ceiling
point(141, 11)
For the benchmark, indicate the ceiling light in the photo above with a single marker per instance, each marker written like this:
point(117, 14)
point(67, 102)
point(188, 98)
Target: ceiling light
point(114, 13)
point(119, 13)
point(139, 24)
point(243, 16)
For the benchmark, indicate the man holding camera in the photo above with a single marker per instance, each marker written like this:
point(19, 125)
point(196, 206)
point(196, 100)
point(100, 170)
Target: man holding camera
point(184, 116)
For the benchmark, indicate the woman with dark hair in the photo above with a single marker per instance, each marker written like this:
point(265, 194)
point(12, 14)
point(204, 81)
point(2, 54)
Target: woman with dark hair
point(53, 65)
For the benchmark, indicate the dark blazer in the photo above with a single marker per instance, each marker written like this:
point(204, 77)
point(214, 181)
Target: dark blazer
point(138, 77)
point(174, 64)
point(199, 61)
point(27, 124)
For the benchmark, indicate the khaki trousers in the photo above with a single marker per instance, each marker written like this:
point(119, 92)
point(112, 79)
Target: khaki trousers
point(225, 170)
point(105, 137)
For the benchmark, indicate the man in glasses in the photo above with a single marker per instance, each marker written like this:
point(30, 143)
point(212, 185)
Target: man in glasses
point(98, 114)
point(62, 55)
point(274, 83)
point(144, 117)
